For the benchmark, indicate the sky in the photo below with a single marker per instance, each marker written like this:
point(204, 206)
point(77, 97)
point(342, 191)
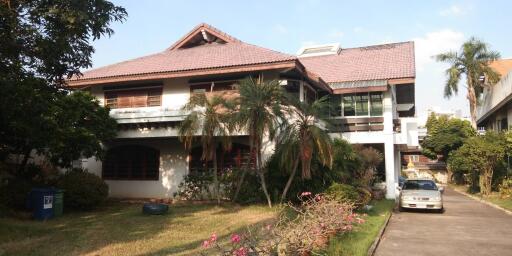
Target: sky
point(286, 26)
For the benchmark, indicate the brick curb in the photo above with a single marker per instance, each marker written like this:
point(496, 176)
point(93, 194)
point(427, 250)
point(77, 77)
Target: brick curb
point(484, 201)
point(375, 244)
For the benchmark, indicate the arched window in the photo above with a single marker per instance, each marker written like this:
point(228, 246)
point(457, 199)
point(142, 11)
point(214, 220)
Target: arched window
point(131, 162)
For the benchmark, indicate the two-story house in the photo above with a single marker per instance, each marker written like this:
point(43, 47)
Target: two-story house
point(372, 87)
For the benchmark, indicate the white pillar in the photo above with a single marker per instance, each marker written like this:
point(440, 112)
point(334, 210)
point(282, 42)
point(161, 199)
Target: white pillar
point(389, 155)
point(389, 148)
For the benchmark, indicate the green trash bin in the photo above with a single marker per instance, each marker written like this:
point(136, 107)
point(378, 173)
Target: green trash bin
point(58, 202)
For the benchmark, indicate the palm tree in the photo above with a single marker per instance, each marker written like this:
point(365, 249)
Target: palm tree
point(473, 62)
point(303, 136)
point(259, 114)
point(208, 117)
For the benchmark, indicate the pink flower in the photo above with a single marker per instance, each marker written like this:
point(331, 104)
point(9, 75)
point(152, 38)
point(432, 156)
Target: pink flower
point(206, 244)
point(242, 251)
point(235, 238)
point(305, 193)
point(268, 226)
point(360, 221)
point(213, 237)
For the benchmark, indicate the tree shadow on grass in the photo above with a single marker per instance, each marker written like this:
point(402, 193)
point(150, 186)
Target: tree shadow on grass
point(194, 247)
point(81, 233)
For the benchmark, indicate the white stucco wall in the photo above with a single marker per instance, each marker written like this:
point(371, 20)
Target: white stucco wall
point(173, 167)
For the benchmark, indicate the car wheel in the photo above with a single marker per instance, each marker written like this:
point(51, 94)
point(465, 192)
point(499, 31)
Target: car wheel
point(440, 210)
point(401, 209)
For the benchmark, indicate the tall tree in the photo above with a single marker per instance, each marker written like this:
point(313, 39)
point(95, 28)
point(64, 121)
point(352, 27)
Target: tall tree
point(259, 114)
point(41, 44)
point(304, 137)
point(473, 62)
point(478, 157)
point(445, 135)
point(207, 118)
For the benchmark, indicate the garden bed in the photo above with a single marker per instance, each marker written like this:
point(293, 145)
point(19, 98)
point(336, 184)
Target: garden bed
point(358, 242)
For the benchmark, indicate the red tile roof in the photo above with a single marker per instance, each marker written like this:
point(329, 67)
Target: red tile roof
point(207, 56)
point(353, 64)
point(502, 66)
point(387, 61)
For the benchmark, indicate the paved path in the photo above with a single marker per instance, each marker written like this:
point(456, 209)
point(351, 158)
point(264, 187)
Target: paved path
point(467, 227)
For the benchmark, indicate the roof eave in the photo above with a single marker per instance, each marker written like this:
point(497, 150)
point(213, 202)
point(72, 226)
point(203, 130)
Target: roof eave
point(84, 83)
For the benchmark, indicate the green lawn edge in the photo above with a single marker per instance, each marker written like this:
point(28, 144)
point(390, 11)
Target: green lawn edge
point(358, 242)
point(493, 198)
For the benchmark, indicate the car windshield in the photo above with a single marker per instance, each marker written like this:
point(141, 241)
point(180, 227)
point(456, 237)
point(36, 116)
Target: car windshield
point(420, 185)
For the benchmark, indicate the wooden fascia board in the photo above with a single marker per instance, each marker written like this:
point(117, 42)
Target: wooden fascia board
point(77, 83)
point(360, 89)
point(398, 81)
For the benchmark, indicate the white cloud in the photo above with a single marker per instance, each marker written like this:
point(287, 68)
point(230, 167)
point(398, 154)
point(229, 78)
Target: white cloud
point(280, 29)
point(336, 34)
point(308, 43)
point(434, 43)
point(456, 10)
point(358, 29)
point(431, 78)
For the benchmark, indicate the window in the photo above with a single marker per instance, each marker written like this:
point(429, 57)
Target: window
point(349, 108)
point(235, 158)
point(503, 124)
point(131, 162)
point(376, 104)
point(358, 104)
point(134, 98)
point(361, 104)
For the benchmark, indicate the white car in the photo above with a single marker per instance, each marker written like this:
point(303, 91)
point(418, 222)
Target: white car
point(421, 194)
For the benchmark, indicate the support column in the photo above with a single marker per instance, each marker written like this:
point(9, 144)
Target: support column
point(389, 154)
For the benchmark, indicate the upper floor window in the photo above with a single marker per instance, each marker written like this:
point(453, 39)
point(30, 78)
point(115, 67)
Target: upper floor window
point(357, 104)
point(134, 98)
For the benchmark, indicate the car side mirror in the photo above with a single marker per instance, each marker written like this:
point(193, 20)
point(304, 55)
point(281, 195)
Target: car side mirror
point(441, 189)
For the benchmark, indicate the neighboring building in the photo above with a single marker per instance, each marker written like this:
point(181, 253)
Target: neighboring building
point(372, 87)
point(495, 110)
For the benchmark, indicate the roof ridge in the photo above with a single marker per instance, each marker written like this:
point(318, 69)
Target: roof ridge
point(359, 47)
point(197, 29)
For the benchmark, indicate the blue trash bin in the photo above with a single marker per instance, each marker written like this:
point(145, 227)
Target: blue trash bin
point(41, 200)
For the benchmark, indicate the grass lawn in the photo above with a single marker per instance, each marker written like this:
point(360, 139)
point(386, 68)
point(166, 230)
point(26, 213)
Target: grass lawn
point(494, 197)
point(121, 229)
point(358, 242)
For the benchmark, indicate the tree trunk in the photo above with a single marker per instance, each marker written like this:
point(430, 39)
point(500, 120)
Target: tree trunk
point(290, 179)
point(261, 174)
point(472, 101)
point(244, 172)
point(215, 176)
point(486, 181)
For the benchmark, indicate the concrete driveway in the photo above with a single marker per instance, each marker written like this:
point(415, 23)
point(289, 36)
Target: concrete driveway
point(467, 227)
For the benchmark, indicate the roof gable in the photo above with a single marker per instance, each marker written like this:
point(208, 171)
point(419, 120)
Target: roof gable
point(203, 34)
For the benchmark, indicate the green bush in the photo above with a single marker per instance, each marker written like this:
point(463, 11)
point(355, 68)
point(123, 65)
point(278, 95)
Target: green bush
point(83, 190)
point(344, 192)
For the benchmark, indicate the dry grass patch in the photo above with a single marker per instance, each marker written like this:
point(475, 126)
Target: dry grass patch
point(121, 229)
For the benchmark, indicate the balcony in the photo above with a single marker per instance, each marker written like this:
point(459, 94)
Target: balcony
point(147, 115)
point(357, 124)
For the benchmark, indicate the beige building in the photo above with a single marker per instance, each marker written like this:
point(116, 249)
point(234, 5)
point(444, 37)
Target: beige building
point(495, 109)
point(371, 87)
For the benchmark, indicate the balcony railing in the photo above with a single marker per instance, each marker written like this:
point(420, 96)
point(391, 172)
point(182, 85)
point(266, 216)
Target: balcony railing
point(147, 115)
point(357, 124)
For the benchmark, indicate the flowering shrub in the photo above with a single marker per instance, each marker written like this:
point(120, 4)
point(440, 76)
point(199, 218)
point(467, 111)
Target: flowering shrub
point(318, 217)
point(314, 220)
point(245, 244)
